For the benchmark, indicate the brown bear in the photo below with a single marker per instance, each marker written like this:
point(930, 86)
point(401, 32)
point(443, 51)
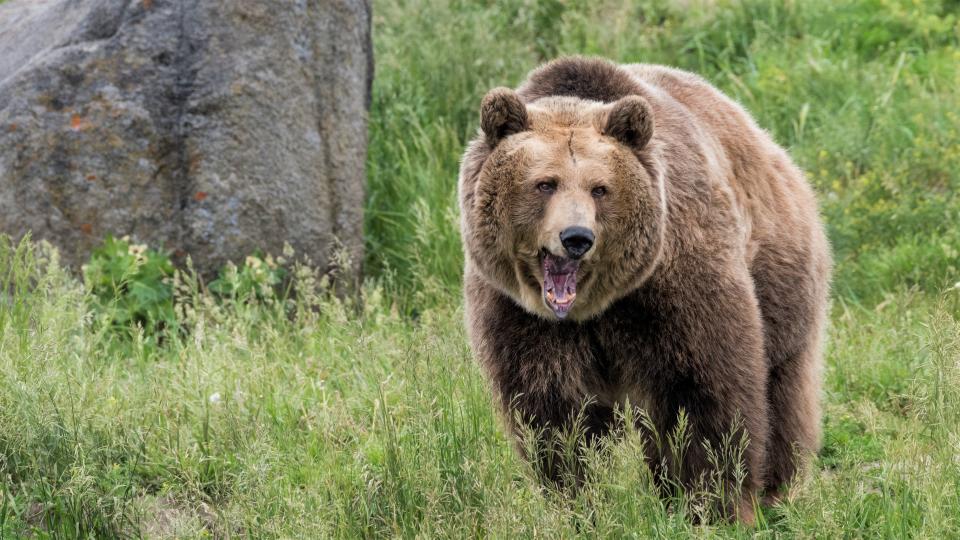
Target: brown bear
point(632, 236)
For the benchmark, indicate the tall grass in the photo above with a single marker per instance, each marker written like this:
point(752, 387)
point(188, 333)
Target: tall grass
point(316, 417)
point(313, 416)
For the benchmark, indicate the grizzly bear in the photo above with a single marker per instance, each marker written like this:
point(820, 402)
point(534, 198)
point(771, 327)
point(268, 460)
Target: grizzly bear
point(632, 236)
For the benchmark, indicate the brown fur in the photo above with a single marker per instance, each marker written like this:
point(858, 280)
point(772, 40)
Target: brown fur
point(706, 288)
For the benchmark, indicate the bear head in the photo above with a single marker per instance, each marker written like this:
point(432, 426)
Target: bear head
point(562, 200)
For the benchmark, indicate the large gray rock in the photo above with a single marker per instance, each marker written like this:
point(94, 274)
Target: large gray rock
point(207, 127)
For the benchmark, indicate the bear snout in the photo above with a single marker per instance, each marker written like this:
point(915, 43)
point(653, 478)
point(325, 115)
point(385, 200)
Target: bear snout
point(577, 241)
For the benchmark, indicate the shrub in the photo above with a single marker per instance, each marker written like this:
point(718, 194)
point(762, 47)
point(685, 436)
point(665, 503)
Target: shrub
point(132, 286)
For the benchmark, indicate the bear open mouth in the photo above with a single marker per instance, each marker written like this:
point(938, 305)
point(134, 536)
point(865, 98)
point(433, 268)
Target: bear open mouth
point(559, 283)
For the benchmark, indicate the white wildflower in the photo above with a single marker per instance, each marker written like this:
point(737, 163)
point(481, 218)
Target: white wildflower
point(137, 250)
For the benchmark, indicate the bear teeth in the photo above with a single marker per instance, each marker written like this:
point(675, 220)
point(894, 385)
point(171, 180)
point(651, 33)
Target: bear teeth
point(559, 284)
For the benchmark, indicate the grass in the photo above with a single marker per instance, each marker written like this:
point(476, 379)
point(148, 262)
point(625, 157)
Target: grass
point(303, 415)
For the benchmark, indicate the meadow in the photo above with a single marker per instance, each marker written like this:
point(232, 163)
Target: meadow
point(136, 400)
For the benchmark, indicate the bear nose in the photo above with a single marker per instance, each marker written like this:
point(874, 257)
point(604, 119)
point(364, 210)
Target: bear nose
point(576, 240)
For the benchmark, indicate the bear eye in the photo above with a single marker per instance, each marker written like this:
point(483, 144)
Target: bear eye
point(598, 192)
point(547, 186)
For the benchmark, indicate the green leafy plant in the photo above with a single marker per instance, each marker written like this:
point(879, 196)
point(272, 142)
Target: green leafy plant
point(132, 285)
point(258, 277)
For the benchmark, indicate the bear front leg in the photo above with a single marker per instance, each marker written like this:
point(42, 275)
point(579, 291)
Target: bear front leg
point(551, 433)
point(540, 371)
point(703, 354)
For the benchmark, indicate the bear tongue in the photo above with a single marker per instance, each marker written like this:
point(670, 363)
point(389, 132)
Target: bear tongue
point(559, 284)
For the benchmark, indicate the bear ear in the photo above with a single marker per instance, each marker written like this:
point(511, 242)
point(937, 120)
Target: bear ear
point(630, 121)
point(502, 114)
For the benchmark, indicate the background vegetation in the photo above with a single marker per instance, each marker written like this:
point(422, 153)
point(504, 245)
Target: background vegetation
point(139, 401)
